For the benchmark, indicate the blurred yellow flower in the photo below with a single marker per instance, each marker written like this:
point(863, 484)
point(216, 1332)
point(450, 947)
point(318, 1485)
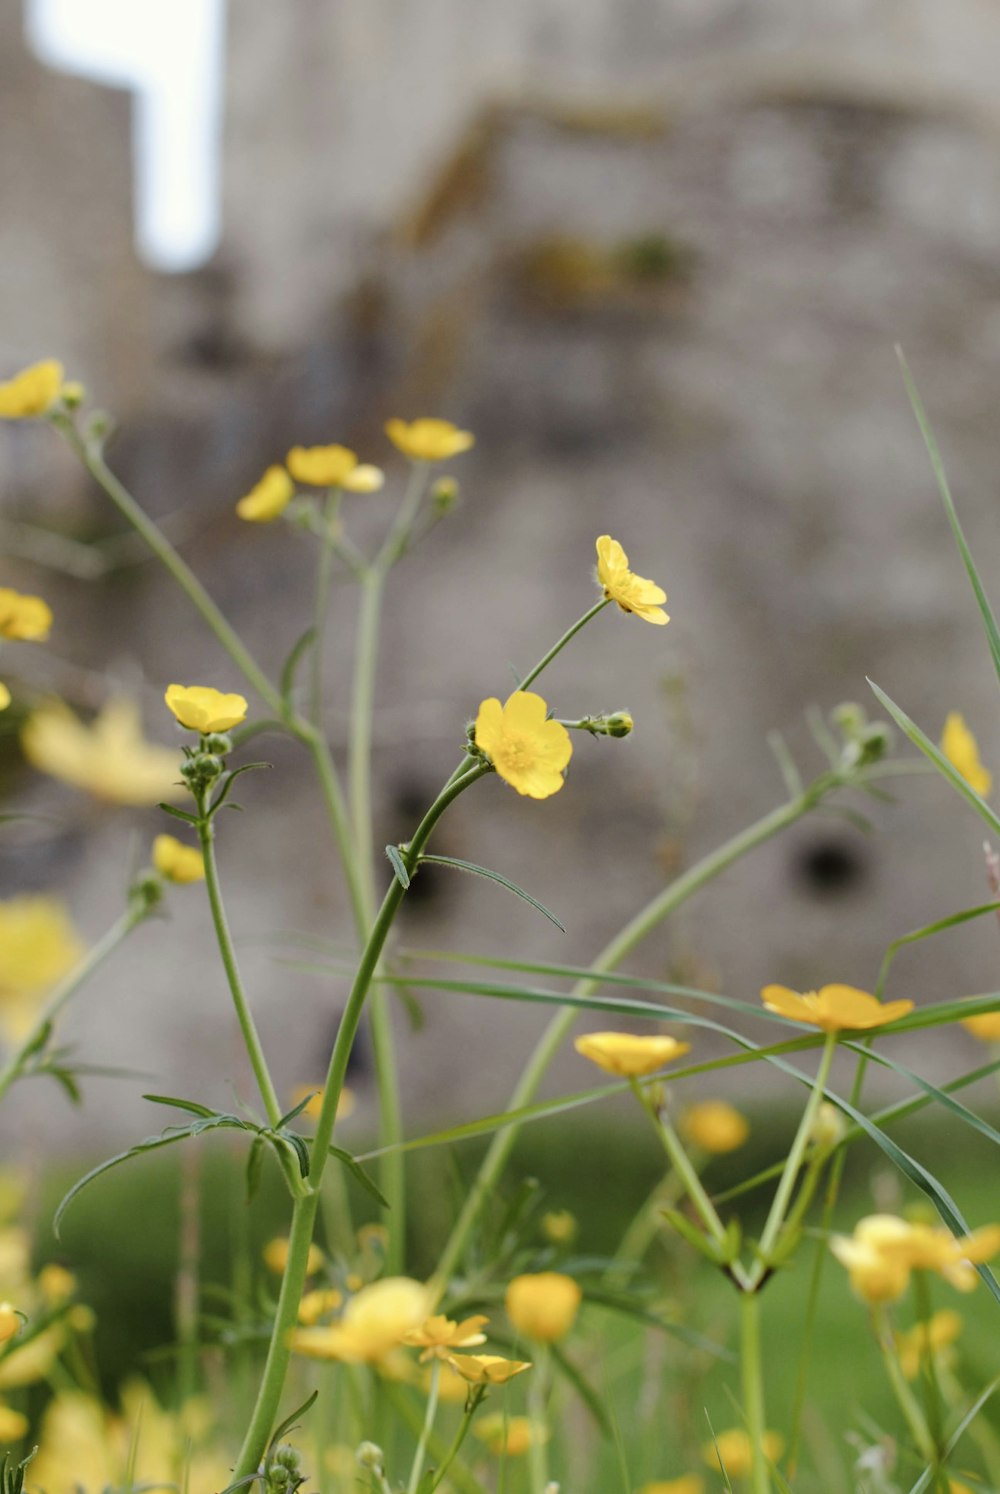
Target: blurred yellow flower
point(109, 758)
point(631, 592)
point(276, 1257)
point(373, 1324)
point(559, 1227)
point(986, 1027)
point(439, 1334)
point(884, 1249)
point(176, 861)
point(715, 1126)
point(25, 618)
point(962, 751)
point(509, 1435)
point(4, 696)
point(543, 1305)
point(346, 1101)
point(333, 467)
point(834, 1008)
point(38, 947)
point(628, 1054)
point(267, 499)
point(487, 1369)
point(428, 440)
point(688, 1483)
point(13, 1425)
point(924, 1340)
point(32, 391)
point(528, 751)
point(10, 1323)
point(735, 1452)
point(202, 708)
point(319, 1304)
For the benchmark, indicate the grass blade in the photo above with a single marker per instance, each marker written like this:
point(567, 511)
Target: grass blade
point(484, 871)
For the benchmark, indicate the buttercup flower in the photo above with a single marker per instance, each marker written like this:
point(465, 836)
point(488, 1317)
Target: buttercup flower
point(962, 751)
point(559, 1227)
point(201, 708)
point(373, 1323)
point(56, 1284)
point(276, 1257)
point(4, 696)
point(428, 440)
point(985, 1027)
point(631, 592)
point(487, 1369)
point(13, 1425)
point(176, 861)
point(109, 758)
point(439, 1334)
point(10, 1323)
point(38, 946)
point(688, 1483)
point(926, 1340)
point(333, 467)
point(735, 1452)
point(25, 618)
point(715, 1126)
point(510, 1435)
point(319, 1304)
point(628, 1054)
point(32, 391)
point(884, 1250)
point(267, 499)
point(543, 1306)
point(528, 751)
point(834, 1008)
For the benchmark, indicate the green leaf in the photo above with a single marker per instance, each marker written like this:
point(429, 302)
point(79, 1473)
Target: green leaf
point(290, 1115)
point(692, 1234)
point(226, 782)
point(291, 664)
point(986, 611)
point(297, 1144)
point(483, 871)
point(191, 1106)
point(927, 932)
point(255, 1167)
point(179, 814)
point(939, 760)
point(398, 866)
point(289, 1422)
point(359, 1175)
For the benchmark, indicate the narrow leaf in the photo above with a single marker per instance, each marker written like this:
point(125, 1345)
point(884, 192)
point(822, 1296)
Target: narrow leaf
point(290, 1115)
point(191, 1106)
point(587, 1393)
point(291, 664)
point(255, 1167)
point(483, 871)
point(359, 1175)
point(289, 1421)
point(398, 866)
point(179, 814)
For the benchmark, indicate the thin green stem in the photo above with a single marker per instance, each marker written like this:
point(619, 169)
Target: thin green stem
point(786, 1183)
point(558, 647)
point(460, 1436)
point(681, 1164)
point(362, 712)
point(905, 1398)
point(928, 1366)
point(395, 543)
point(426, 1429)
point(251, 1038)
point(539, 1391)
point(333, 799)
point(138, 908)
point(752, 1376)
point(321, 606)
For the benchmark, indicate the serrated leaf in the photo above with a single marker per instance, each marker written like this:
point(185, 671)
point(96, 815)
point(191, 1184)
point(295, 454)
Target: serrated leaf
point(484, 871)
point(291, 664)
point(398, 866)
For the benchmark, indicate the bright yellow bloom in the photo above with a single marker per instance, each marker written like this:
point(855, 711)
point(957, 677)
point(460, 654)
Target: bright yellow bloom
point(202, 708)
point(109, 758)
point(627, 1054)
point(439, 1334)
point(267, 499)
point(276, 1257)
point(32, 391)
point(688, 1483)
point(962, 751)
point(10, 1323)
point(25, 618)
point(632, 593)
point(834, 1008)
point(733, 1449)
point(487, 1369)
point(4, 696)
point(883, 1250)
point(428, 440)
point(38, 946)
point(510, 1435)
point(176, 861)
point(56, 1284)
point(986, 1027)
point(715, 1126)
point(319, 1304)
point(543, 1306)
point(333, 467)
point(528, 751)
point(559, 1227)
point(13, 1425)
point(927, 1340)
point(374, 1322)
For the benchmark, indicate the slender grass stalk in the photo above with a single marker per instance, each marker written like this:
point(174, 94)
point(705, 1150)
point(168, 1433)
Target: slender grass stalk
point(321, 605)
point(426, 1430)
point(539, 1392)
point(752, 1375)
point(905, 1398)
point(681, 1163)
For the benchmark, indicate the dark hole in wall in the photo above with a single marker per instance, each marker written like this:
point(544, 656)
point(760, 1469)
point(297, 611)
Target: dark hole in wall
point(830, 867)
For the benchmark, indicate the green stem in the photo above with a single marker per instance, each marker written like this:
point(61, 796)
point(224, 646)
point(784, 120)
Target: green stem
point(904, 1396)
point(752, 1376)
point(538, 1395)
point(362, 711)
point(251, 1039)
point(428, 1427)
point(92, 458)
point(928, 1366)
point(786, 1183)
point(558, 647)
point(333, 799)
point(460, 1436)
point(396, 541)
point(138, 908)
point(681, 1163)
point(324, 569)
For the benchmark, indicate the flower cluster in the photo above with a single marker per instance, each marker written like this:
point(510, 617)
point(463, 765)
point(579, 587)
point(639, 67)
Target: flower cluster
point(884, 1250)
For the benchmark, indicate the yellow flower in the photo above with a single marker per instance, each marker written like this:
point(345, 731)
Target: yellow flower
point(439, 1334)
point(962, 751)
point(715, 1126)
point(333, 467)
point(25, 618)
point(627, 1054)
point(13, 1425)
point(10, 1323)
point(38, 946)
point(56, 1284)
point(528, 751)
point(986, 1027)
point(32, 391)
point(487, 1369)
point(202, 708)
point(176, 861)
point(4, 696)
point(319, 1304)
point(109, 758)
point(428, 440)
point(510, 1435)
point(632, 593)
point(733, 1449)
point(884, 1250)
point(374, 1322)
point(276, 1257)
point(688, 1483)
point(833, 1008)
point(559, 1227)
point(267, 499)
point(928, 1339)
point(543, 1306)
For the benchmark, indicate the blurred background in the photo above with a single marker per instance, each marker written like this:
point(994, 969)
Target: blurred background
point(656, 255)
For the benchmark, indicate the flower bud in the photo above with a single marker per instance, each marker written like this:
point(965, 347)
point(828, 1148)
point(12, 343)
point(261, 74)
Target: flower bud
point(73, 394)
point(371, 1456)
point(217, 742)
point(829, 1126)
point(849, 718)
point(100, 425)
point(444, 495)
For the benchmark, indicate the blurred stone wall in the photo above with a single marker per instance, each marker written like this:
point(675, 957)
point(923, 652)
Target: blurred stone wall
point(658, 262)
